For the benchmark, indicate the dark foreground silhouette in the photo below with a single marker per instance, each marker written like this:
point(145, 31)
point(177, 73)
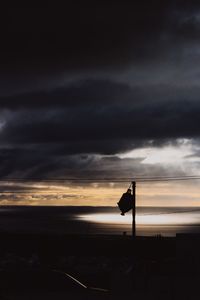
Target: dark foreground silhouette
point(38, 283)
point(149, 267)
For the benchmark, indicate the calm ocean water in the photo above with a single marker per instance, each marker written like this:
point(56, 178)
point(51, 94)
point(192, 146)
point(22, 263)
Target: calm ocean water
point(99, 220)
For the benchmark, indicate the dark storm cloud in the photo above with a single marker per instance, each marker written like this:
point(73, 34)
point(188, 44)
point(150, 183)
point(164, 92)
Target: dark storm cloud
point(86, 80)
point(40, 46)
point(44, 42)
point(79, 93)
point(102, 117)
point(80, 36)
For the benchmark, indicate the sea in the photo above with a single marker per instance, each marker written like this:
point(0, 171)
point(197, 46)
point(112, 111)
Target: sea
point(150, 221)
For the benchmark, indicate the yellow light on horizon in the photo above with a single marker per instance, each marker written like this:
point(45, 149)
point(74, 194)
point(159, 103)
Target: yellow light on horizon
point(154, 219)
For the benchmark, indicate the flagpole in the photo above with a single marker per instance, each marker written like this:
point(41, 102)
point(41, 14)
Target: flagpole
point(133, 210)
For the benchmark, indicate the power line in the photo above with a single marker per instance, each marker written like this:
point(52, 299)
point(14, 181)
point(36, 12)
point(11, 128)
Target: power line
point(109, 179)
point(171, 212)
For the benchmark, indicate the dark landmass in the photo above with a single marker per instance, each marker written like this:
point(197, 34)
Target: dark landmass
point(109, 245)
point(152, 267)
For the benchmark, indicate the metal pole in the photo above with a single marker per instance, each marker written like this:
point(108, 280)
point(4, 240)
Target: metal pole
point(133, 211)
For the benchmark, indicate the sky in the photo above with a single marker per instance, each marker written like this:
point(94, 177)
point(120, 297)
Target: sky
point(100, 90)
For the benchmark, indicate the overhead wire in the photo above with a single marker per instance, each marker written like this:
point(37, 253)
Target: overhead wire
point(103, 179)
point(141, 179)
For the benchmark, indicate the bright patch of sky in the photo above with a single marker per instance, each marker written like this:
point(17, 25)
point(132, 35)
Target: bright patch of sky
point(183, 151)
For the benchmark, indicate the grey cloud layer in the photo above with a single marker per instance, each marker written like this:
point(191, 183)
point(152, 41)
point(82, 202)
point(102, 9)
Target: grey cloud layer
point(148, 91)
point(94, 112)
point(93, 37)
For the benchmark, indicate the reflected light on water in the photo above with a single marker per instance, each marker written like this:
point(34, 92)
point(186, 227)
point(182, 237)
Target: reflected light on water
point(162, 219)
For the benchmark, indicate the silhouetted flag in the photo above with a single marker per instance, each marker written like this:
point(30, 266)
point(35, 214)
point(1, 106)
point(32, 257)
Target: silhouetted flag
point(126, 202)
